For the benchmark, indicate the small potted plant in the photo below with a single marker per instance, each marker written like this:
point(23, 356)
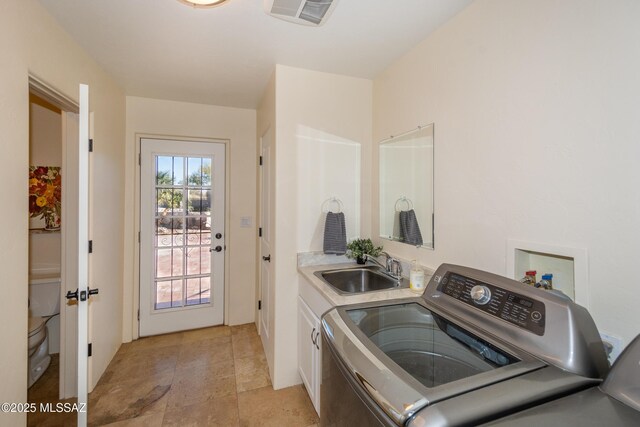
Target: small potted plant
point(358, 248)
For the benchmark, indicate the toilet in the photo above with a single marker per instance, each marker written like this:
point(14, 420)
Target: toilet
point(44, 305)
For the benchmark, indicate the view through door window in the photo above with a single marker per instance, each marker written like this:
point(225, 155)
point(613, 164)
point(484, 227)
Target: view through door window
point(182, 249)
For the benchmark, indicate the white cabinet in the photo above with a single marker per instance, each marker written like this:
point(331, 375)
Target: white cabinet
point(311, 306)
point(309, 348)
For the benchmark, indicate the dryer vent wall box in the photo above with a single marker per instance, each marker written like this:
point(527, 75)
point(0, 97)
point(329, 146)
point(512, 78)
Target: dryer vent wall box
point(305, 12)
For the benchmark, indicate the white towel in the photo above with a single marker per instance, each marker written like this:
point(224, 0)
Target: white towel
point(335, 234)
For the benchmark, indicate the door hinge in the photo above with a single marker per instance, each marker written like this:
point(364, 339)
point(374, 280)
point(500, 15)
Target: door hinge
point(138, 314)
point(260, 232)
point(140, 158)
point(91, 145)
point(138, 237)
point(259, 304)
point(90, 246)
point(89, 349)
point(260, 160)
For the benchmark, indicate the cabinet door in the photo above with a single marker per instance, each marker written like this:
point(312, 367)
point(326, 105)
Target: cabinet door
point(308, 353)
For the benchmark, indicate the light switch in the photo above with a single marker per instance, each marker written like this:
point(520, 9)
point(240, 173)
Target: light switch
point(245, 221)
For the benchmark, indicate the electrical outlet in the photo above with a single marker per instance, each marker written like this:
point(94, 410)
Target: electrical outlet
point(616, 346)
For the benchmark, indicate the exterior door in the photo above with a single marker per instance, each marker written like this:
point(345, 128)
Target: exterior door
point(266, 172)
point(182, 242)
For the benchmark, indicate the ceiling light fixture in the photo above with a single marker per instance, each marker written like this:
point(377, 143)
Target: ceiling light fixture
point(203, 3)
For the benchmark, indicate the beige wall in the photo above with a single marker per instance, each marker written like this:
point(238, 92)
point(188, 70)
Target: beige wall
point(45, 138)
point(338, 107)
point(180, 119)
point(30, 40)
point(536, 138)
point(45, 149)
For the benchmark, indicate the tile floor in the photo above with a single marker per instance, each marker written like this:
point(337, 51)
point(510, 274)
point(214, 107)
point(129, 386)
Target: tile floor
point(207, 377)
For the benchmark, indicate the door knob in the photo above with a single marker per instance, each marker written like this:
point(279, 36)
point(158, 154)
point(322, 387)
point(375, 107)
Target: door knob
point(267, 258)
point(81, 295)
point(218, 248)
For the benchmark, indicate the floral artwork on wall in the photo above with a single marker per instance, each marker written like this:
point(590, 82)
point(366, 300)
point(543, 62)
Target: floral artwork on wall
point(45, 188)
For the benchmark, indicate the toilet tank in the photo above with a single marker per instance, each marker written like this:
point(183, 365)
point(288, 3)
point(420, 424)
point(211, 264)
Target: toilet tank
point(44, 296)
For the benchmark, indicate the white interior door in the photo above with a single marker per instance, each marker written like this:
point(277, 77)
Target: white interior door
point(82, 295)
point(266, 172)
point(69, 258)
point(182, 242)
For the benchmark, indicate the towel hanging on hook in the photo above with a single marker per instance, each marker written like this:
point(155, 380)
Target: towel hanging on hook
point(409, 228)
point(328, 202)
point(335, 234)
point(408, 202)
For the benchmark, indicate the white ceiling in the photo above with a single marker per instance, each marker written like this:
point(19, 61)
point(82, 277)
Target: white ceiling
point(225, 55)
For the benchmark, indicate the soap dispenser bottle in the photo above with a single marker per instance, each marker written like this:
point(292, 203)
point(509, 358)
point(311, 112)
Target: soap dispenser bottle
point(416, 278)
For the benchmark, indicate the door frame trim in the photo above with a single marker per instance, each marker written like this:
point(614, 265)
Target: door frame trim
point(135, 306)
point(44, 90)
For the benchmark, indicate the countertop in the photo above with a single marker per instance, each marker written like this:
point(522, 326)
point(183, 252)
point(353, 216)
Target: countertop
point(336, 299)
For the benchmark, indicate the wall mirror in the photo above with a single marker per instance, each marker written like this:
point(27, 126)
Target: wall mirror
point(406, 187)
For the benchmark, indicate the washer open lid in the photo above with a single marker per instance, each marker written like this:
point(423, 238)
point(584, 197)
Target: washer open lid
point(407, 357)
point(623, 381)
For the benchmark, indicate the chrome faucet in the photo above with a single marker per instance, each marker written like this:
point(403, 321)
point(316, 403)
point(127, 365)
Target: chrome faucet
point(368, 257)
point(392, 266)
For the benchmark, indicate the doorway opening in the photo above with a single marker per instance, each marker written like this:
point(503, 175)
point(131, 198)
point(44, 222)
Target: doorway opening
point(53, 131)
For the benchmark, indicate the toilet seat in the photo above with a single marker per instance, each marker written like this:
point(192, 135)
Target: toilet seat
point(36, 325)
point(38, 343)
point(37, 333)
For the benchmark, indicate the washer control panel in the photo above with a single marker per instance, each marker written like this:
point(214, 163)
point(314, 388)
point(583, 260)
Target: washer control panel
point(516, 309)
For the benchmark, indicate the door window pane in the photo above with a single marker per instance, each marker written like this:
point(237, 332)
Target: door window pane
point(206, 171)
point(205, 287)
point(198, 202)
point(164, 170)
point(193, 261)
point(178, 170)
point(205, 261)
point(176, 294)
point(163, 294)
point(205, 237)
point(195, 171)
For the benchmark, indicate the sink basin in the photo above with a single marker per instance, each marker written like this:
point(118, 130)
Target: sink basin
point(360, 279)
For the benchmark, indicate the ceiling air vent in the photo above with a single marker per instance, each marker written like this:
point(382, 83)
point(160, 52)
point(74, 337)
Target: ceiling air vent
point(305, 12)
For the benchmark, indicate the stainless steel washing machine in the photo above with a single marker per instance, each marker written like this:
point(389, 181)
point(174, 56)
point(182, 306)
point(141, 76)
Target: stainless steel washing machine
point(616, 402)
point(473, 348)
